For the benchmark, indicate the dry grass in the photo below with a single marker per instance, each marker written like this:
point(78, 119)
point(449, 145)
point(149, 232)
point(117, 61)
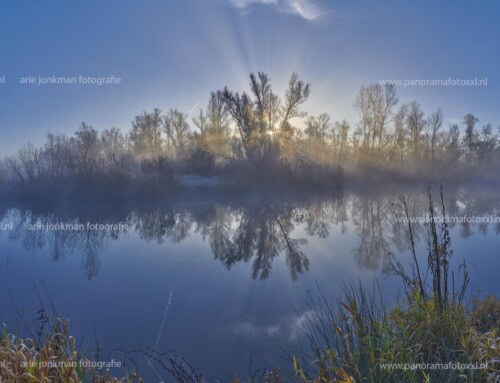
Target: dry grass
point(53, 358)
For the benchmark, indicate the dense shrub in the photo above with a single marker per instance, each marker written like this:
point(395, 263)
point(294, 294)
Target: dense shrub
point(201, 162)
point(156, 177)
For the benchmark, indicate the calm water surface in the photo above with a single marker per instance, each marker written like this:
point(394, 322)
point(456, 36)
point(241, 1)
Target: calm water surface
point(233, 276)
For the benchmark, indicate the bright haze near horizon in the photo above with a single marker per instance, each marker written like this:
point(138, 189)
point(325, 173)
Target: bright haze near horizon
point(173, 53)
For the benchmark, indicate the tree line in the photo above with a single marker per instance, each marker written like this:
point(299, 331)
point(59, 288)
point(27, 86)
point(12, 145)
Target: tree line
point(260, 133)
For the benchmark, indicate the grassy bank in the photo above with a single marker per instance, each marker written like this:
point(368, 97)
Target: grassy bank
point(353, 341)
point(416, 341)
point(51, 356)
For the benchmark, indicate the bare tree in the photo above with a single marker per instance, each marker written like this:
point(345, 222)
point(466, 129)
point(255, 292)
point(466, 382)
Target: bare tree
point(177, 129)
point(86, 149)
point(27, 164)
point(263, 122)
point(470, 137)
point(317, 130)
point(452, 144)
point(214, 132)
point(416, 123)
point(57, 150)
point(374, 104)
point(399, 141)
point(341, 134)
point(113, 141)
point(486, 144)
point(434, 124)
point(146, 134)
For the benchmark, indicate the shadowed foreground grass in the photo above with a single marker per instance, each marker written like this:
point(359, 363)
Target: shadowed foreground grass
point(356, 341)
point(347, 343)
point(54, 357)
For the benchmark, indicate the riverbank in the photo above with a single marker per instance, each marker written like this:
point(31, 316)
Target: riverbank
point(351, 342)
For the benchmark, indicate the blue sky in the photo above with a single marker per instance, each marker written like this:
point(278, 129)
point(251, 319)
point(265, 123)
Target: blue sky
point(172, 53)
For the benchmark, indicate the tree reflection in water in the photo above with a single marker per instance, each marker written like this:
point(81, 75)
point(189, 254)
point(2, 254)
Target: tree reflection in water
point(33, 231)
point(249, 234)
point(254, 233)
